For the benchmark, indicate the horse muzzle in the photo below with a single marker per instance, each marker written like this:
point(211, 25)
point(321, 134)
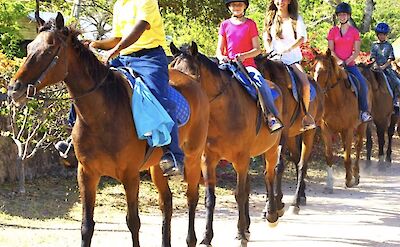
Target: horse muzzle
point(19, 94)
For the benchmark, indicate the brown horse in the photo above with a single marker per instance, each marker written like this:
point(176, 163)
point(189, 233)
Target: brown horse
point(292, 114)
point(232, 135)
point(382, 112)
point(104, 135)
point(341, 115)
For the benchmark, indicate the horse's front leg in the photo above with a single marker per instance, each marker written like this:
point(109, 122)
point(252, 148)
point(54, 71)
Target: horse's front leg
point(87, 186)
point(347, 137)
point(390, 133)
point(368, 144)
point(210, 180)
point(327, 136)
point(241, 166)
point(361, 130)
point(271, 159)
point(131, 185)
point(192, 173)
point(164, 201)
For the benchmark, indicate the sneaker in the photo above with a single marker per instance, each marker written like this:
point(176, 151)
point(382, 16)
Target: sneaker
point(308, 123)
point(63, 148)
point(274, 124)
point(171, 166)
point(366, 117)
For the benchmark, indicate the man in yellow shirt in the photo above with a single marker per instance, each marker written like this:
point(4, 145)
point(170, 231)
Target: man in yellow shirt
point(137, 40)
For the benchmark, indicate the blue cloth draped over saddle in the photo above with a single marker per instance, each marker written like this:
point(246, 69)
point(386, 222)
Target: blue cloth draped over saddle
point(294, 79)
point(244, 82)
point(152, 121)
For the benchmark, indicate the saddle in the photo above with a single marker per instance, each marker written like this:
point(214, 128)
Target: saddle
point(296, 81)
point(354, 83)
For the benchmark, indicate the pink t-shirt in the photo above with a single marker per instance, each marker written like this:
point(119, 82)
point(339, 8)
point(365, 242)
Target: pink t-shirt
point(344, 46)
point(239, 38)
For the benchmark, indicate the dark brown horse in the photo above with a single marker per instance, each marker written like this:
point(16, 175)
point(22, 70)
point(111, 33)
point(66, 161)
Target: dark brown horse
point(292, 114)
point(104, 135)
point(232, 135)
point(341, 115)
point(382, 113)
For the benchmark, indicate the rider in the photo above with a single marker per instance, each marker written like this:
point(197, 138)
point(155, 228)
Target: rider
point(344, 43)
point(382, 56)
point(136, 42)
point(238, 40)
point(284, 32)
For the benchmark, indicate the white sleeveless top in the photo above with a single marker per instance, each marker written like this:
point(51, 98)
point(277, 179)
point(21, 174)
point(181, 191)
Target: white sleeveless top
point(288, 39)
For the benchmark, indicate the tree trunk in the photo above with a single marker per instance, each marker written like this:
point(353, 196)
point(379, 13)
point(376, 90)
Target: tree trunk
point(21, 174)
point(367, 19)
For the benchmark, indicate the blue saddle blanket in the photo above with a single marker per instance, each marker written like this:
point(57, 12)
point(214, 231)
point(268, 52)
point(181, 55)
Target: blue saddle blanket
point(151, 120)
point(244, 81)
point(293, 77)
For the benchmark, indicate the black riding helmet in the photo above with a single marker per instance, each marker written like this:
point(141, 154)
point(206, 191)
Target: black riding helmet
point(343, 8)
point(227, 2)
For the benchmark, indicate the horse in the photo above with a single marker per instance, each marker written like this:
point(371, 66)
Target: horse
point(341, 115)
point(292, 114)
point(104, 136)
point(232, 135)
point(382, 113)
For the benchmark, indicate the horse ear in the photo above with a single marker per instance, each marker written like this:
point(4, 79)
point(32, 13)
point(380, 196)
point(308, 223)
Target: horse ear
point(59, 21)
point(39, 20)
point(328, 52)
point(193, 49)
point(174, 50)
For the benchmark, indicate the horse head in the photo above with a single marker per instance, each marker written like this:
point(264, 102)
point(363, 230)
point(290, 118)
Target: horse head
point(186, 59)
point(326, 71)
point(46, 62)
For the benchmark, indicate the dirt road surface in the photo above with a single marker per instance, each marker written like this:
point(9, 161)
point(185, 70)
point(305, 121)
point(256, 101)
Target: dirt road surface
point(367, 215)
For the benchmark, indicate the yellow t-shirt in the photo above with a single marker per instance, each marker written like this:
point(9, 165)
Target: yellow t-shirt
point(125, 15)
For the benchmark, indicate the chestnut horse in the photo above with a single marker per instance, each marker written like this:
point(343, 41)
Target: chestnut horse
point(292, 114)
point(104, 135)
point(382, 113)
point(341, 115)
point(232, 135)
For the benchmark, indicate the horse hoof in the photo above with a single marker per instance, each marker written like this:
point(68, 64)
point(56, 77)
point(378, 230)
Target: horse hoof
point(281, 212)
point(294, 210)
point(303, 201)
point(356, 181)
point(203, 244)
point(242, 242)
point(349, 184)
point(247, 234)
point(328, 190)
point(388, 159)
point(273, 224)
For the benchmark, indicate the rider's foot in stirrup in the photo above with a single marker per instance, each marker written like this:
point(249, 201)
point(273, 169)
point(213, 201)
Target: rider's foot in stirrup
point(366, 117)
point(307, 123)
point(170, 165)
point(274, 124)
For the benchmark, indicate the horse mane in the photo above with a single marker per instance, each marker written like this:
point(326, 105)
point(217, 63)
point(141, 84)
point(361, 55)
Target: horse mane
point(207, 62)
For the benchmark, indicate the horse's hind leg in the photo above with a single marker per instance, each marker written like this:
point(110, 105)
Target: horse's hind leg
point(347, 137)
point(193, 173)
point(390, 133)
point(164, 201)
point(327, 136)
point(368, 144)
point(131, 185)
point(87, 187)
point(210, 181)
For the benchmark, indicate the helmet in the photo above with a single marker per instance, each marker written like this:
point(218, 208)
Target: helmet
point(382, 28)
point(343, 8)
point(227, 2)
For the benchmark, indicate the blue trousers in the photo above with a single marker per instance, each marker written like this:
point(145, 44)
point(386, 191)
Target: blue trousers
point(363, 93)
point(394, 81)
point(152, 66)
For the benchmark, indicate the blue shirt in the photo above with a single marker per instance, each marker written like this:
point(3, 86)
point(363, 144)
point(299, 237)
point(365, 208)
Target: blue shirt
point(382, 52)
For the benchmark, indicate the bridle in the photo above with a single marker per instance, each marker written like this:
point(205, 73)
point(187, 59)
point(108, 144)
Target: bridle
point(54, 61)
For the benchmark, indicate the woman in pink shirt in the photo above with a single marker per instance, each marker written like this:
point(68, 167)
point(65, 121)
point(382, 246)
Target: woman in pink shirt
point(238, 40)
point(344, 43)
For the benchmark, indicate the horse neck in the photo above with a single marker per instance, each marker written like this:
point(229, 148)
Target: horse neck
point(212, 84)
point(89, 106)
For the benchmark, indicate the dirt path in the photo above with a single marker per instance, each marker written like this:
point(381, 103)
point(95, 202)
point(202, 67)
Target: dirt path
point(368, 215)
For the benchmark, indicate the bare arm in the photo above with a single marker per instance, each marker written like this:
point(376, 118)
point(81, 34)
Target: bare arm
point(105, 44)
point(221, 49)
point(356, 52)
point(253, 52)
point(331, 46)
